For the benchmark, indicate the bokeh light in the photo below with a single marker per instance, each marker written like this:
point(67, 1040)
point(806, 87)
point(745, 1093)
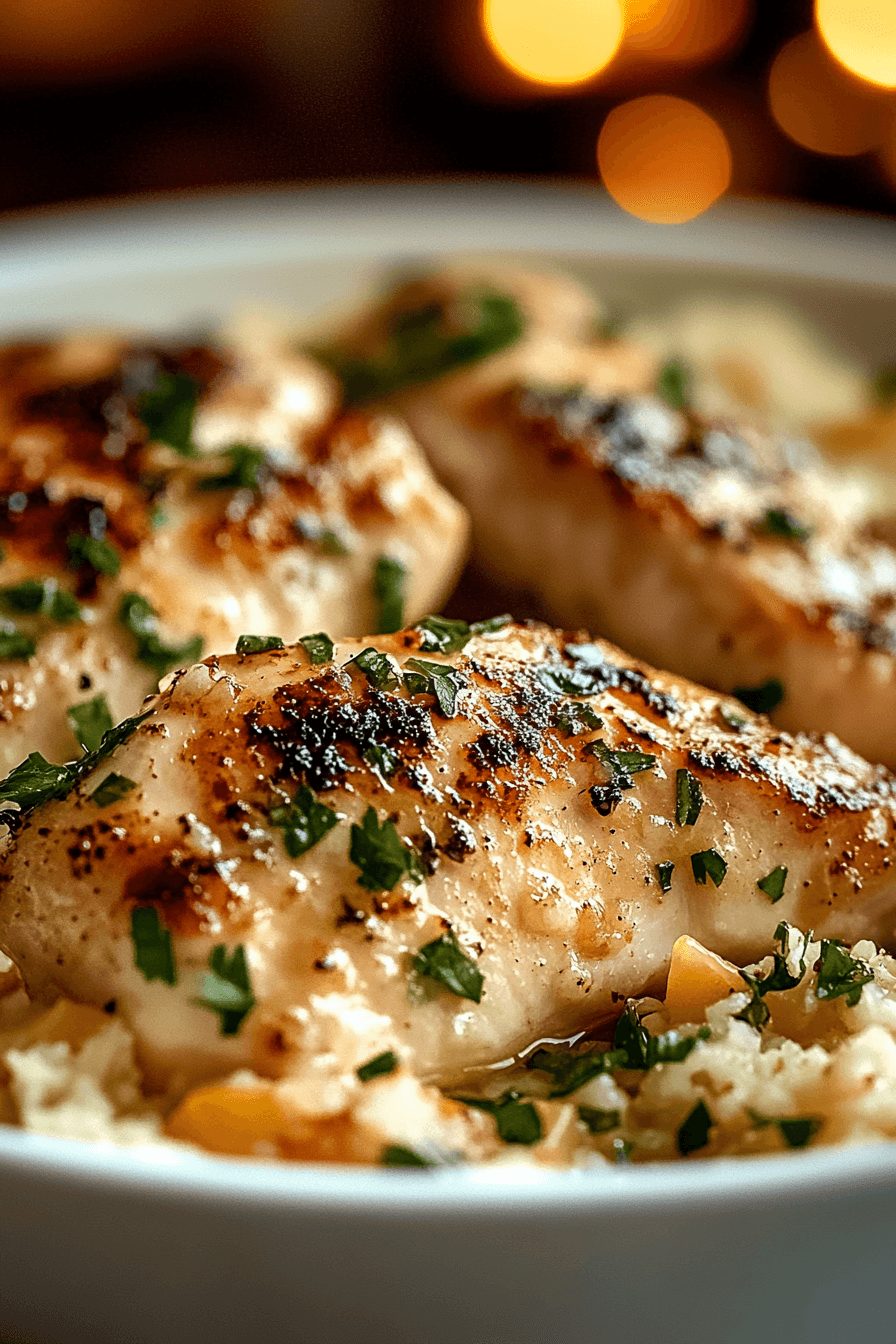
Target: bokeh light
point(689, 31)
point(862, 35)
point(559, 42)
point(663, 158)
point(820, 105)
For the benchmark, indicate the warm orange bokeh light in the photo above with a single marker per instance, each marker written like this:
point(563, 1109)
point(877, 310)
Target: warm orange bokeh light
point(862, 35)
point(553, 41)
point(684, 30)
point(820, 105)
point(663, 159)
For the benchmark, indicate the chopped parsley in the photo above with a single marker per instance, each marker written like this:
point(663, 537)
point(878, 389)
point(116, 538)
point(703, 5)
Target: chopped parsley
point(772, 885)
point(305, 821)
point(491, 625)
point(444, 962)
point(377, 1067)
point(441, 634)
point(840, 973)
point(516, 1118)
point(13, 644)
point(249, 469)
point(96, 552)
point(664, 873)
point(780, 977)
point(377, 668)
point(673, 384)
point(319, 648)
point(35, 781)
point(736, 722)
point(635, 1048)
point(709, 864)
point(436, 679)
point(41, 597)
point(621, 765)
point(761, 699)
point(693, 1133)
point(396, 1155)
point(112, 789)
point(688, 798)
point(797, 1131)
point(388, 594)
point(569, 1071)
point(90, 721)
point(310, 528)
point(562, 680)
point(622, 1151)
point(153, 950)
point(757, 1011)
point(226, 988)
point(598, 1121)
point(379, 854)
point(781, 523)
point(141, 619)
point(167, 410)
point(258, 643)
point(382, 758)
point(577, 718)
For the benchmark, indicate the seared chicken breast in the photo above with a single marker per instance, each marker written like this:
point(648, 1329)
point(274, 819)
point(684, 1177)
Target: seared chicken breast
point(158, 501)
point(733, 556)
point(441, 843)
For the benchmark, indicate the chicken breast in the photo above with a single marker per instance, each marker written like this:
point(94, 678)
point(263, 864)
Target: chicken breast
point(158, 501)
point(441, 845)
point(732, 556)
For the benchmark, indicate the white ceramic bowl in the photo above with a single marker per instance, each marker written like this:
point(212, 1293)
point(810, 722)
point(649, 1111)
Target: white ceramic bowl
point(112, 1248)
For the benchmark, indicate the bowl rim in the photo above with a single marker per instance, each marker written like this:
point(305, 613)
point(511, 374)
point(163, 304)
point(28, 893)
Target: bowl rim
point(54, 249)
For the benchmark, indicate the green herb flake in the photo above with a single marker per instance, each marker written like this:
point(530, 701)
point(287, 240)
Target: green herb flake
point(311, 529)
point(444, 962)
point(140, 619)
point(378, 852)
point(772, 885)
point(693, 1133)
point(796, 1131)
point(305, 821)
point(664, 873)
point(226, 988)
point(441, 681)
point(319, 648)
point(673, 384)
point(781, 523)
point(35, 781)
point(688, 798)
point(153, 950)
point(388, 594)
point(516, 1118)
point(736, 722)
point(167, 410)
point(598, 1121)
point(90, 721)
point(382, 758)
point(95, 552)
point(13, 644)
point(709, 864)
point(635, 1048)
point(377, 668)
point(41, 597)
point(761, 699)
point(396, 1155)
point(378, 1067)
point(491, 625)
point(562, 680)
point(440, 634)
point(569, 1070)
point(112, 789)
point(757, 1012)
point(258, 643)
point(622, 1151)
point(621, 765)
point(577, 718)
point(249, 470)
point(840, 974)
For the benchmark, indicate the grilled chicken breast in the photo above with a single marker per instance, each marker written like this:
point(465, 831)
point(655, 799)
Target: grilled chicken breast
point(732, 556)
point(158, 501)
point(442, 846)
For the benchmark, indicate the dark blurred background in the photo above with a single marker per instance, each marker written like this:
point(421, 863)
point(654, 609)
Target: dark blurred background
point(109, 97)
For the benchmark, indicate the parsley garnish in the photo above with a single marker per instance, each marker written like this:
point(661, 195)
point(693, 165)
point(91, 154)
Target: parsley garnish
point(577, 718)
point(709, 864)
point(388, 593)
point(797, 1131)
point(598, 1121)
point(377, 668)
point(688, 798)
point(736, 722)
point(621, 766)
point(35, 781)
point(622, 1151)
point(781, 523)
point(396, 1155)
point(562, 680)
point(248, 470)
point(41, 597)
point(443, 961)
point(440, 634)
point(226, 989)
point(140, 618)
point(319, 648)
point(757, 1011)
point(664, 873)
point(153, 951)
point(258, 643)
point(90, 722)
point(635, 1048)
point(312, 529)
point(377, 1067)
point(96, 552)
point(761, 699)
point(304, 822)
point(693, 1133)
point(569, 1071)
point(167, 410)
point(516, 1118)
point(773, 885)
point(780, 978)
point(491, 625)
point(382, 758)
point(112, 789)
point(840, 973)
point(13, 644)
point(673, 384)
point(383, 860)
point(435, 679)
